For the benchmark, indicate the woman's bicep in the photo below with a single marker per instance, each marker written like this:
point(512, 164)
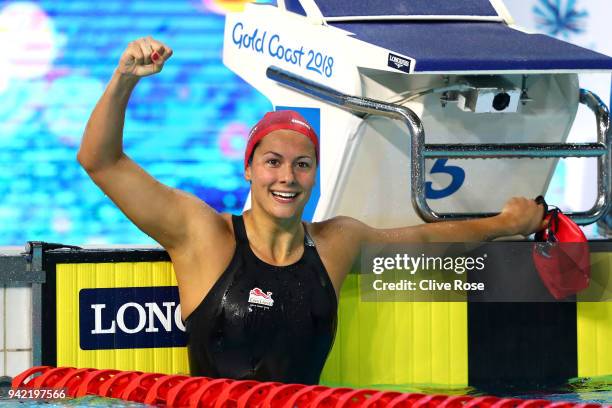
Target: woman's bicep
point(160, 211)
point(410, 234)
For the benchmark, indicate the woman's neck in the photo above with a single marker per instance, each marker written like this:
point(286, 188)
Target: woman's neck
point(278, 241)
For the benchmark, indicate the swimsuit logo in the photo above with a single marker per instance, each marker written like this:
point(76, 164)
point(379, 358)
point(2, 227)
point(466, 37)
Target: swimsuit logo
point(260, 297)
point(397, 62)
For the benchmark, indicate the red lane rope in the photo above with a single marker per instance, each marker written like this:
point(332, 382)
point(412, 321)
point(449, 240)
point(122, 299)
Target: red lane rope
point(202, 392)
point(178, 396)
point(254, 397)
point(355, 398)
point(137, 389)
point(158, 394)
point(115, 386)
point(92, 382)
point(381, 399)
point(507, 403)
point(405, 400)
point(431, 401)
point(304, 397)
point(51, 377)
point(229, 397)
point(329, 398)
point(72, 381)
point(208, 393)
point(457, 401)
point(278, 396)
point(483, 402)
point(20, 380)
point(590, 405)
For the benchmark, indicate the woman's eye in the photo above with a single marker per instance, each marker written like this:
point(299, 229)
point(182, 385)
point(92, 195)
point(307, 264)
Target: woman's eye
point(272, 162)
point(304, 165)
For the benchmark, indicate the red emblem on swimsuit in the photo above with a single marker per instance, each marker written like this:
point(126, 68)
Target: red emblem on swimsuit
point(260, 297)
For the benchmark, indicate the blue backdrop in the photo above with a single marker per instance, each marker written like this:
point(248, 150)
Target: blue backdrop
point(186, 126)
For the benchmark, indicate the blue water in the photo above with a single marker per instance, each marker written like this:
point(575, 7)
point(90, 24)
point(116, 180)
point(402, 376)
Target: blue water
point(89, 401)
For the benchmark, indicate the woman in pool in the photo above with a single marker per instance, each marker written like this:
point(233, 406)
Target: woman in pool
point(258, 292)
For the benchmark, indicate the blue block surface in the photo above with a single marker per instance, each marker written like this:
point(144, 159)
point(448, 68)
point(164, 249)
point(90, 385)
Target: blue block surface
point(475, 46)
point(335, 8)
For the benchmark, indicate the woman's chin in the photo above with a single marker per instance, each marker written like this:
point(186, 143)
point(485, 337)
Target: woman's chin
point(285, 215)
point(286, 212)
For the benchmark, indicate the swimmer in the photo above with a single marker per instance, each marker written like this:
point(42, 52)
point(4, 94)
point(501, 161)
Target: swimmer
point(259, 291)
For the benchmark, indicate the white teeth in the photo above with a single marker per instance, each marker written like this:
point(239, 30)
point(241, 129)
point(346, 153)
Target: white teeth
point(284, 195)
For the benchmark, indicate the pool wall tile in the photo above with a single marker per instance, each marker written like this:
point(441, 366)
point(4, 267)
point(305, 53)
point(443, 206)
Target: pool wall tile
point(18, 318)
point(2, 320)
point(17, 362)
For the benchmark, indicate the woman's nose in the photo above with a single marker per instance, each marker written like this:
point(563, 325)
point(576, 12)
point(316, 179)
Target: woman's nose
point(287, 174)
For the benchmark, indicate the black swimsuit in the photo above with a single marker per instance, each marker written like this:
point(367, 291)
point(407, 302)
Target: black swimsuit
point(264, 322)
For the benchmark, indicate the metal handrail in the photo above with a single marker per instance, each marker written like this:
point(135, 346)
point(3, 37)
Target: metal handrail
point(421, 151)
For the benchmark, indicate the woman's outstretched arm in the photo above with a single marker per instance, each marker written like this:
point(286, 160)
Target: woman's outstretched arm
point(345, 235)
point(520, 216)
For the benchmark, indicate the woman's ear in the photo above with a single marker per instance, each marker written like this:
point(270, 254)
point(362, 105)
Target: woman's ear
point(247, 172)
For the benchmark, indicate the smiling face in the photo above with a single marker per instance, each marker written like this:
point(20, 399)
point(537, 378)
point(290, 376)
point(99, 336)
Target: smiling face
point(282, 173)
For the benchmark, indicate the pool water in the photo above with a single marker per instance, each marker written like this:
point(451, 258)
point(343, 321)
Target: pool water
point(88, 401)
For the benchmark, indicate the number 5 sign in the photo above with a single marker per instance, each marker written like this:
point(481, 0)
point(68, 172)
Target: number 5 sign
point(456, 173)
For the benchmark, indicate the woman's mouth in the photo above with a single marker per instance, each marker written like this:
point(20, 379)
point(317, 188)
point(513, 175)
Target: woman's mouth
point(284, 196)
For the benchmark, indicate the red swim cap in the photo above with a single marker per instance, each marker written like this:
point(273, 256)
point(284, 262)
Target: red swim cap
point(285, 119)
point(561, 256)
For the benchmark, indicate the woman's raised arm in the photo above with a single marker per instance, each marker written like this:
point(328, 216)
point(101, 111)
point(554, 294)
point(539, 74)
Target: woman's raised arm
point(162, 212)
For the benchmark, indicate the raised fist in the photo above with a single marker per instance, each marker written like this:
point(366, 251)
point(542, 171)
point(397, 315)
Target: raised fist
point(144, 57)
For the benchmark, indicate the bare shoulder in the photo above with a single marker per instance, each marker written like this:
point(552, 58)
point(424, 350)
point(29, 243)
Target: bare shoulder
point(340, 230)
point(338, 241)
point(339, 227)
